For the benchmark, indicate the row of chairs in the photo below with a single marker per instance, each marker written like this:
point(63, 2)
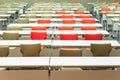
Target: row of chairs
point(43, 35)
point(35, 49)
point(64, 21)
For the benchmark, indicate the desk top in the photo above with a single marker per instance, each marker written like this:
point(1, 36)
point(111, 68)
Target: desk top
point(18, 42)
point(24, 61)
point(85, 61)
point(82, 43)
point(80, 32)
point(55, 25)
point(59, 19)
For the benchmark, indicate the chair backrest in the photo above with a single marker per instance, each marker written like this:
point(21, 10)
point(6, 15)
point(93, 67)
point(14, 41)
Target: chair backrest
point(30, 16)
point(30, 50)
point(10, 36)
point(70, 52)
point(101, 49)
point(97, 36)
point(65, 28)
point(4, 51)
point(106, 9)
point(88, 21)
point(22, 20)
point(38, 28)
point(84, 16)
point(67, 16)
point(43, 21)
point(59, 12)
point(78, 12)
point(35, 35)
point(88, 28)
point(14, 28)
point(71, 21)
point(68, 36)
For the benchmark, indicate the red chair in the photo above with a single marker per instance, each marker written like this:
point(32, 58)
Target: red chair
point(38, 28)
point(88, 28)
point(67, 16)
point(84, 16)
point(43, 21)
point(59, 12)
point(78, 12)
point(105, 9)
point(38, 35)
point(97, 36)
point(65, 28)
point(115, 2)
point(68, 36)
point(71, 21)
point(88, 21)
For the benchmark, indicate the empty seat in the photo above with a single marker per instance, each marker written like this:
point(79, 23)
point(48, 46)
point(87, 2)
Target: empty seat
point(84, 16)
point(88, 21)
point(4, 51)
point(30, 50)
point(96, 36)
point(22, 21)
point(78, 12)
point(38, 28)
point(67, 16)
point(43, 21)
point(88, 28)
point(10, 36)
point(68, 36)
point(67, 52)
point(14, 28)
point(65, 28)
point(71, 21)
point(36, 35)
point(101, 49)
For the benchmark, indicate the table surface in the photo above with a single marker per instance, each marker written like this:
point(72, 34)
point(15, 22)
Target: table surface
point(82, 43)
point(24, 61)
point(85, 61)
point(18, 42)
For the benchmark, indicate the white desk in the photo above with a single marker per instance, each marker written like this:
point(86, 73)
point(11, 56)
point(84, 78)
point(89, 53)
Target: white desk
point(54, 25)
point(28, 32)
point(85, 61)
point(23, 61)
point(40, 12)
point(58, 19)
point(82, 43)
point(80, 32)
point(18, 42)
point(55, 15)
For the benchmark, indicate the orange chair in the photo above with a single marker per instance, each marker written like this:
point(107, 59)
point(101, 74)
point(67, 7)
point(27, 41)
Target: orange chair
point(88, 28)
point(38, 28)
point(67, 16)
point(115, 2)
point(84, 16)
point(68, 36)
point(65, 28)
point(97, 36)
point(43, 21)
point(105, 9)
point(78, 12)
point(59, 12)
point(38, 35)
point(88, 21)
point(71, 21)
